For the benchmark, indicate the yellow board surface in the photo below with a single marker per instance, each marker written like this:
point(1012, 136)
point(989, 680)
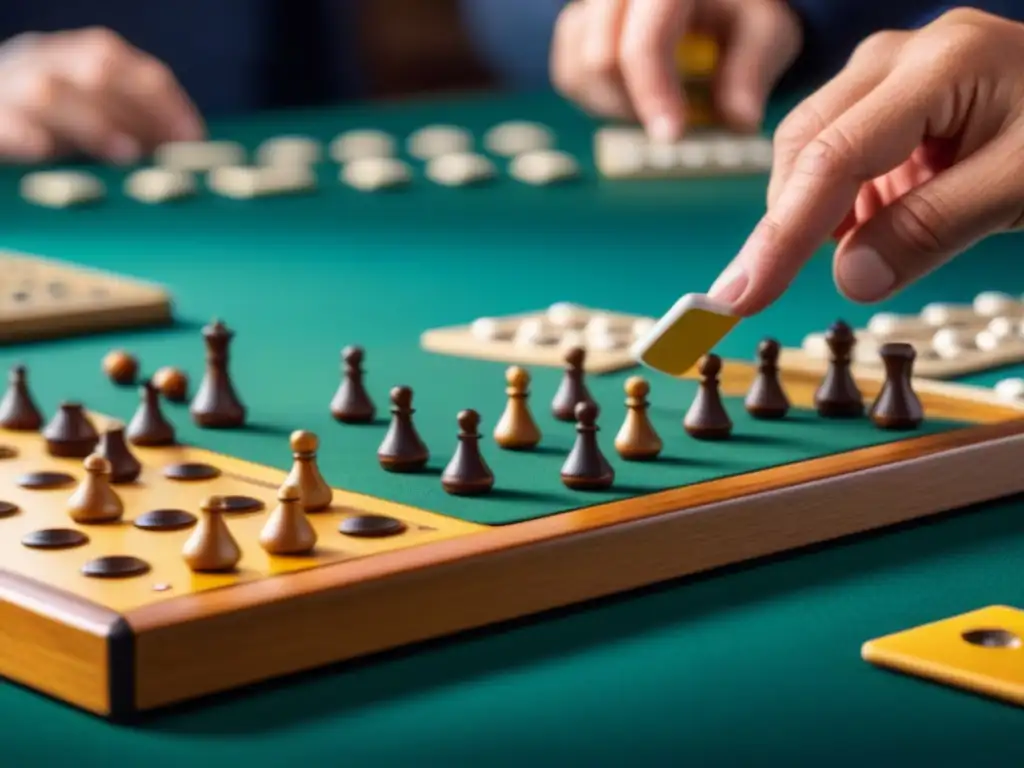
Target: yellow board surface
point(169, 576)
point(981, 651)
point(687, 332)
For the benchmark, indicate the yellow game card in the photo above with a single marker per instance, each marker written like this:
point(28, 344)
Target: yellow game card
point(687, 332)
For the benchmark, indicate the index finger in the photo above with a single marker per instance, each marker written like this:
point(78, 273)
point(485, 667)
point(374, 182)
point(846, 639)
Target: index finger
point(649, 37)
point(869, 139)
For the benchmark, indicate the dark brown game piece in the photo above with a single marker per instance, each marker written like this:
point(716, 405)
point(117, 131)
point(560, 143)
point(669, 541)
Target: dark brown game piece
point(573, 389)
point(70, 433)
point(190, 471)
point(402, 450)
point(18, 410)
point(54, 538)
point(148, 426)
point(897, 406)
point(351, 403)
point(41, 481)
point(115, 567)
point(124, 467)
point(766, 398)
point(121, 367)
point(586, 469)
point(8, 452)
point(165, 520)
point(707, 418)
point(838, 396)
point(236, 505)
point(7, 509)
point(216, 404)
point(467, 474)
point(172, 383)
point(371, 526)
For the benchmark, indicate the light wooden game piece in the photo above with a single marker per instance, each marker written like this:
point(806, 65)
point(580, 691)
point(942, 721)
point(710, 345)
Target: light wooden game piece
point(516, 430)
point(159, 185)
point(305, 474)
point(94, 501)
point(637, 439)
point(460, 169)
point(289, 151)
point(70, 433)
point(148, 426)
point(467, 474)
point(370, 174)
point(360, 144)
point(436, 140)
point(287, 531)
point(707, 418)
point(18, 411)
point(211, 547)
point(120, 367)
point(573, 389)
point(112, 446)
point(517, 137)
point(544, 166)
point(199, 156)
point(61, 189)
point(687, 332)
point(172, 383)
point(585, 468)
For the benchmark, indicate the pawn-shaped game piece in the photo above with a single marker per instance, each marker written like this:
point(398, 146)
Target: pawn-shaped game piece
point(766, 399)
point(351, 404)
point(897, 405)
point(585, 468)
point(516, 430)
point(573, 389)
point(402, 450)
point(70, 433)
point(18, 410)
point(287, 530)
point(211, 547)
point(838, 396)
point(637, 440)
point(216, 404)
point(120, 367)
point(94, 501)
point(467, 474)
point(148, 426)
point(314, 491)
point(707, 418)
point(124, 467)
point(172, 383)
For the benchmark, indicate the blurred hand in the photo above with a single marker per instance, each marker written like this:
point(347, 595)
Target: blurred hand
point(616, 58)
point(87, 91)
point(907, 157)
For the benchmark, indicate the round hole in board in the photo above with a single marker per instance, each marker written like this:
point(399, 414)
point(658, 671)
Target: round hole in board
point(992, 638)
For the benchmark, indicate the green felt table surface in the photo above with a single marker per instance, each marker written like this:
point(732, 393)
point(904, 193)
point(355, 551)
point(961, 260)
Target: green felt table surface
point(752, 666)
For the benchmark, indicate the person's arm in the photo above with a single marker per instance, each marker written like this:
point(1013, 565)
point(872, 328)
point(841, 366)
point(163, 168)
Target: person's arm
point(513, 38)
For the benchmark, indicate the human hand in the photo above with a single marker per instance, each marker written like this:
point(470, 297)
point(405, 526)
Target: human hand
point(616, 58)
point(907, 157)
point(87, 91)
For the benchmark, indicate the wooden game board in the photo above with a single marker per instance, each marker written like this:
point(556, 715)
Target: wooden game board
point(461, 341)
point(43, 298)
point(119, 646)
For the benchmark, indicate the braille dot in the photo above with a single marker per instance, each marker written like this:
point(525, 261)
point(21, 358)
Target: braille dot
point(54, 538)
point(7, 509)
point(115, 567)
point(42, 480)
point(992, 638)
point(161, 587)
point(371, 526)
point(191, 471)
point(165, 520)
point(239, 504)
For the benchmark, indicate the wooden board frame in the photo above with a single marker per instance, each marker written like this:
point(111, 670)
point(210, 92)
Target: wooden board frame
point(120, 664)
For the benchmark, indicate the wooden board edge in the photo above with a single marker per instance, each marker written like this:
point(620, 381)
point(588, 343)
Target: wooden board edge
point(188, 656)
point(66, 647)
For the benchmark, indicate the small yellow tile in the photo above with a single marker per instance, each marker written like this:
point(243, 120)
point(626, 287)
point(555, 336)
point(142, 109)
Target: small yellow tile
point(687, 332)
point(981, 651)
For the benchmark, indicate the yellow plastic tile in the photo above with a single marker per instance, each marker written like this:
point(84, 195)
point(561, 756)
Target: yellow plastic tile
point(981, 651)
point(687, 332)
point(696, 56)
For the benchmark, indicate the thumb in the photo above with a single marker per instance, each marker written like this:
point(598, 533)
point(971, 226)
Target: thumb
point(930, 225)
point(762, 41)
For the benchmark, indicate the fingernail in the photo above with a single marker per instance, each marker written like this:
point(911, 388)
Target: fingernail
point(730, 285)
point(864, 275)
point(123, 149)
point(663, 128)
